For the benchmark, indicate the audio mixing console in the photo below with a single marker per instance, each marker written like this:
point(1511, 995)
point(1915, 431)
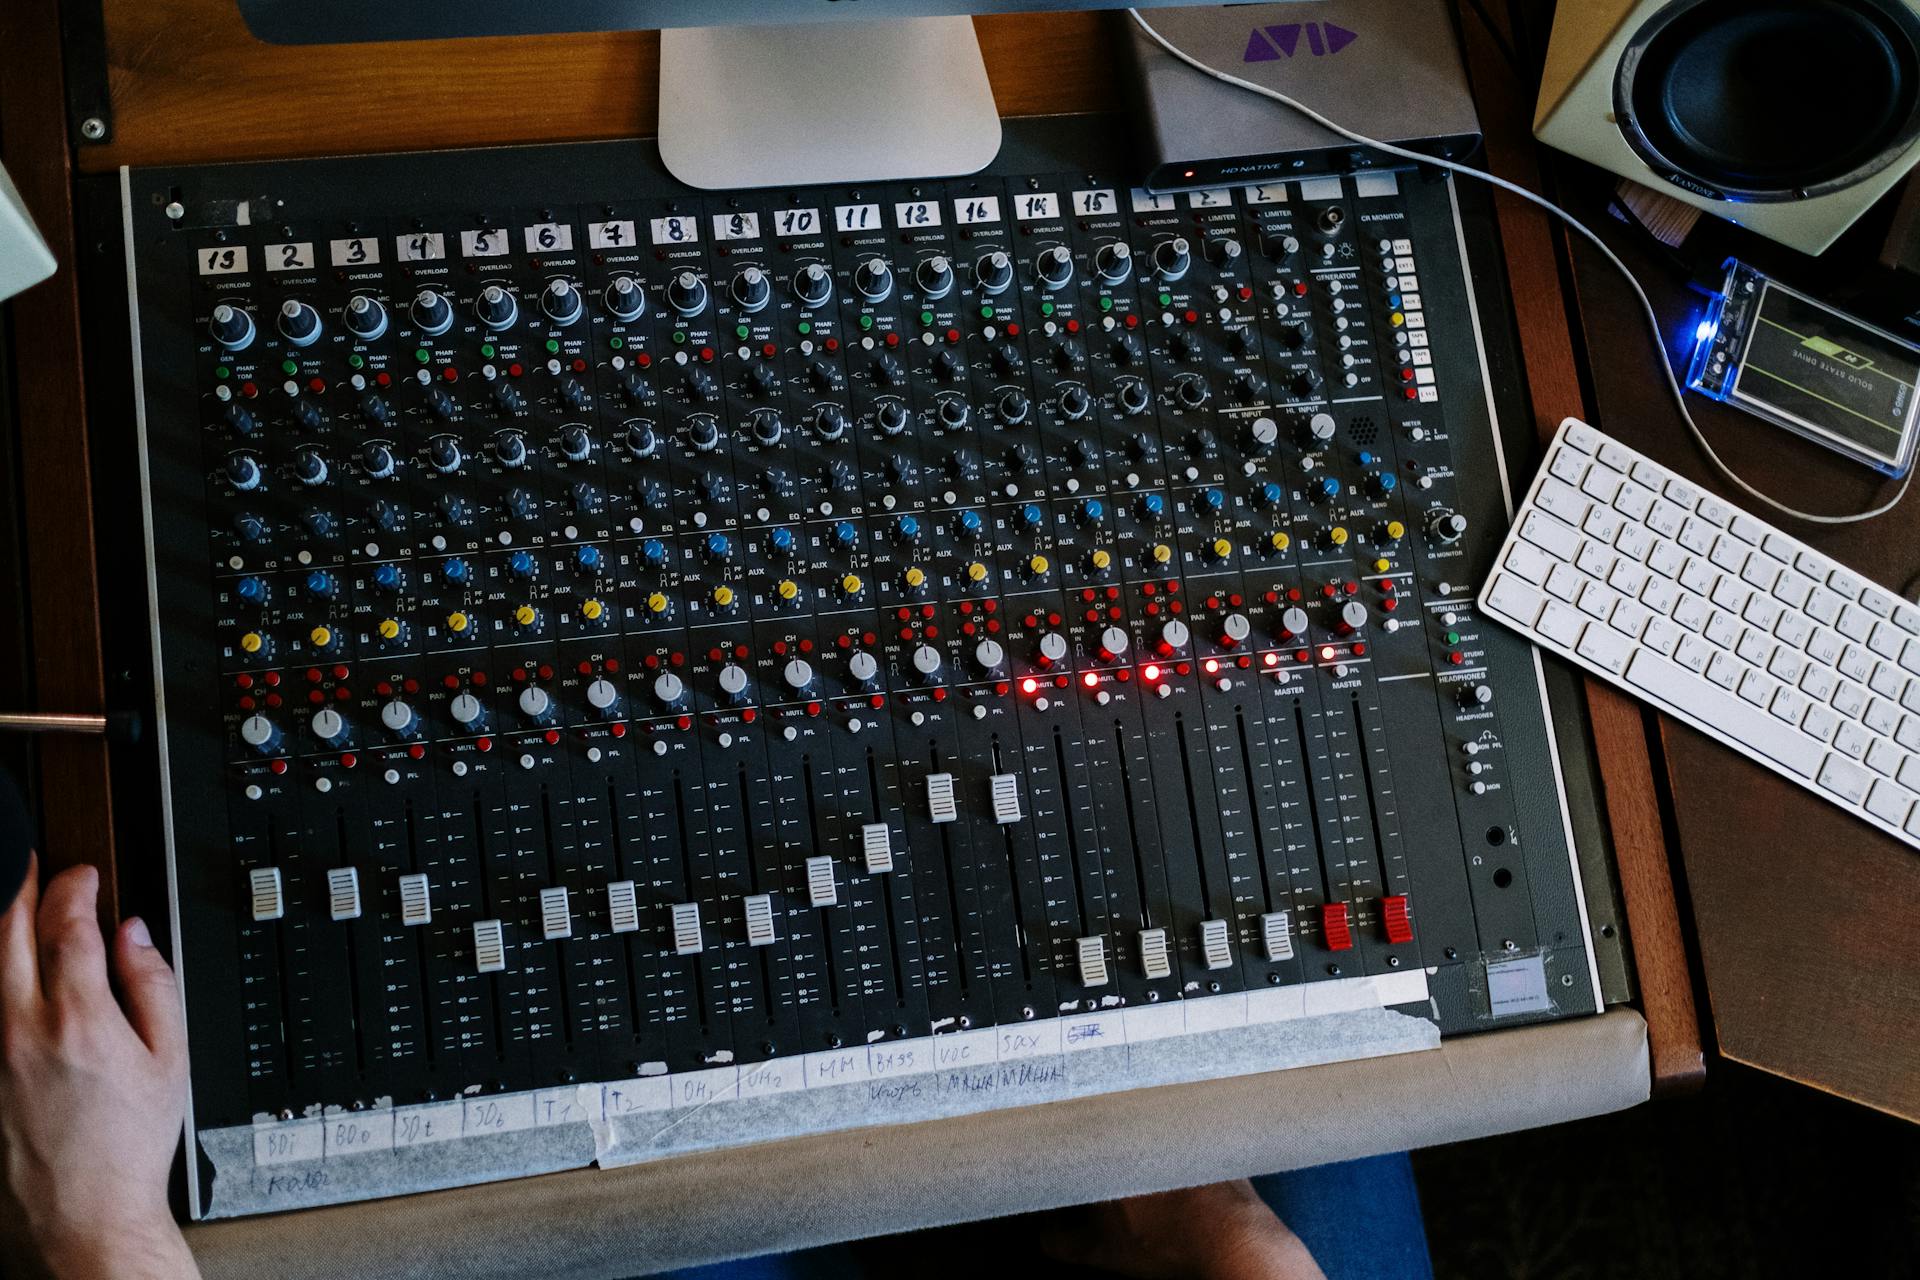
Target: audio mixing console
point(607, 632)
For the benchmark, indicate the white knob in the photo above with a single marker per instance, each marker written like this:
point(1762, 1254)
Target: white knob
point(1294, 621)
point(668, 688)
point(601, 694)
point(465, 709)
point(256, 731)
point(862, 667)
point(798, 674)
point(926, 660)
point(397, 716)
point(1114, 641)
point(534, 701)
point(1235, 627)
point(1053, 648)
point(1174, 635)
point(327, 724)
point(989, 655)
point(733, 680)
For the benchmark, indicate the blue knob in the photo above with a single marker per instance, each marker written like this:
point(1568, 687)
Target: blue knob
point(1213, 499)
point(387, 577)
point(320, 584)
point(1031, 515)
point(1153, 506)
point(1092, 510)
point(1383, 483)
point(654, 552)
point(907, 527)
point(1393, 300)
point(587, 557)
point(971, 524)
point(252, 590)
point(1270, 494)
point(718, 547)
point(1366, 457)
point(1326, 487)
point(781, 539)
point(456, 570)
point(521, 564)
point(844, 534)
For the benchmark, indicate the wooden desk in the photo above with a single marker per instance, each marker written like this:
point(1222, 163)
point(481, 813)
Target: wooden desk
point(189, 84)
point(1805, 919)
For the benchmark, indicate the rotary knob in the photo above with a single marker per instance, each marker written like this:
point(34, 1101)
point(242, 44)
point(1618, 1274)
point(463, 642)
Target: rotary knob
point(260, 734)
point(443, 454)
point(1171, 258)
point(1293, 624)
point(536, 704)
point(604, 698)
point(1114, 642)
point(1475, 696)
point(641, 441)
point(1054, 267)
point(1014, 407)
point(432, 313)
point(892, 417)
point(993, 272)
point(1317, 431)
point(1223, 252)
point(703, 433)
point(1113, 262)
point(1134, 397)
point(1050, 650)
point(1173, 637)
point(873, 279)
point(298, 323)
point(988, 656)
point(798, 675)
point(562, 302)
point(626, 301)
point(767, 426)
point(309, 467)
point(329, 727)
point(496, 308)
point(1234, 630)
point(510, 447)
point(862, 669)
point(953, 413)
point(813, 286)
point(669, 690)
point(468, 712)
point(829, 422)
point(733, 683)
point(1446, 526)
point(364, 317)
point(687, 293)
point(934, 276)
point(1262, 435)
point(231, 327)
point(376, 460)
point(243, 472)
point(1353, 616)
point(399, 719)
point(750, 289)
point(926, 662)
point(1191, 390)
point(575, 443)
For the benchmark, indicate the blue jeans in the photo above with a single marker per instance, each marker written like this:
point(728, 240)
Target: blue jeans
point(1360, 1220)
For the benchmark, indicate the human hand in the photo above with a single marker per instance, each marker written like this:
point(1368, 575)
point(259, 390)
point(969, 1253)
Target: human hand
point(1219, 1232)
point(91, 1098)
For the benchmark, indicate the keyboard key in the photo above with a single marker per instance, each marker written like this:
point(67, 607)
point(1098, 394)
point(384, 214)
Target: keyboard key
point(1580, 436)
point(1855, 623)
point(1787, 665)
point(1562, 500)
point(1844, 584)
point(1730, 595)
point(1649, 475)
point(1789, 705)
point(1757, 687)
point(1723, 630)
point(1659, 595)
point(1561, 625)
point(1855, 664)
point(1602, 484)
point(1606, 649)
point(1691, 612)
point(1887, 680)
point(1603, 524)
point(1762, 611)
point(1792, 589)
point(1819, 682)
point(1753, 646)
point(1876, 601)
point(1907, 734)
point(1852, 739)
point(1907, 618)
point(1911, 698)
point(1594, 559)
point(1820, 722)
point(1634, 501)
point(1682, 690)
point(1760, 573)
point(1564, 582)
point(1666, 559)
point(1909, 773)
point(1597, 601)
point(1725, 670)
point(1779, 547)
point(1845, 779)
point(1530, 563)
point(1634, 540)
point(1568, 466)
point(1665, 519)
point(1910, 657)
point(1848, 699)
point(1698, 576)
point(1813, 564)
point(1662, 637)
point(1615, 455)
point(1681, 494)
point(1886, 640)
point(1793, 629)
point(1881, 716)
point(1747, 529)
point(1558, 540)
point(1728, 554)
point(1822, 605)
point(1716, 511)
point(1825, 647)
point(1889, 803)
point(1693, 653)
point(1696, 536)
point(1883, 757)
point(1629, 619)
point(1627, 577)
point(1509, 596)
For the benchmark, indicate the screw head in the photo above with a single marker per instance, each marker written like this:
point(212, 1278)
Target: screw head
point(175, 210)
point(93, 128)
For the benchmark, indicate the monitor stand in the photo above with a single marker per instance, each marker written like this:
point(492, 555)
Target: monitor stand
point(825, 102)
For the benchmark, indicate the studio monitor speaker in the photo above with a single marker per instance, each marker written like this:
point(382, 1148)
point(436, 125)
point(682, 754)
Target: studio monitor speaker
point(1789, 117)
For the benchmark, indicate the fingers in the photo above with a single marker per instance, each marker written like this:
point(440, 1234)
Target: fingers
point(19, 964)
point(73, 959)
point(152, 995)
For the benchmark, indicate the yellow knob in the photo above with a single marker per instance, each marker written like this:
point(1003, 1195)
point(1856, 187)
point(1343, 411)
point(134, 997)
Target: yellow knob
point(526, 615)
point(252, 642)
point(591, 610)
point(1397, 319)
point(320, 637)
point(1038, 566)
point(389, 629)
point(976, 572)
point(788, 589)
point(915, 578)
point(722, 596)
point(851, 584)
point(457, 622)
point(1162, 553)
point(1337, 535)
point(657, 602)
point(1101, 560)
point(1395, 531)
point(1279, 541)
point(1382, 565)
point(1222, 548)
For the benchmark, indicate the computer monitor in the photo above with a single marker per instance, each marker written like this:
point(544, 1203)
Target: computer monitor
point(753, 93)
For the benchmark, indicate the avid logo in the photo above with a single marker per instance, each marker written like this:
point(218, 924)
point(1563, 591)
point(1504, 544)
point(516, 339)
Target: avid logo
point(1269, 44)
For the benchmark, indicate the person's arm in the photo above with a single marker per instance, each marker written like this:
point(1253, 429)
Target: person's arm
point(1219, 1232)
point(92, 1097)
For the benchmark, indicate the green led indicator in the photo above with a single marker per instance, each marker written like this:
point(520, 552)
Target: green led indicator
point(806, 327)
point(986, 313)
point(1166, 299)
point(1106, 304)
point(1046, 308)
point(289, 367)
point(679, 336)
point(356, 361)
point(1453, 637)
point(866, 322)
point(423, 355)
point(926, 317)
point(618, 344)
point(553, 346)
point(486, 350)
point(221, 371)
point(741, 332)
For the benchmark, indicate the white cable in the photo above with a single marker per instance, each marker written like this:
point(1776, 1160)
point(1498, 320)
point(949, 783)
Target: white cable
point(1646, 305)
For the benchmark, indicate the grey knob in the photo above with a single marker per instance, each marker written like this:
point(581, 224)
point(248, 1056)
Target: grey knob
point(1353, 616)
point(668, 689)
point(299, 323)
point(364, 317)
point(1234, 629)
point(231, 327)
point(799, 675)
point(1114, 642)
point(1171, 258)
point(926, 662)
point(535, 702)
point(626, 300)
point(432, 313)
point(1263, 435)
point(733, 681)
point(601, 694)
point(496, 307)
point(1055, 267)
point(258, 732)
point(813, 286)
point(1320, 428)
point(398, 717)
point(988, 655)
point(329, 727)
point(1173, 636)
point(751, 289)
point(687, 294)
point(935, 277)
point(1052, 649)
point(994, 271)
point(466, 710)
point(562, 303)
point(873, 279)
point(1293, 623)
point(1113, 262)
point(862, 668)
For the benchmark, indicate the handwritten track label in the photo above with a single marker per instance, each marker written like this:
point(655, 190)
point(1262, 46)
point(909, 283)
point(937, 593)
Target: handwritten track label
point(610, 235)
point(434, 1122)
point(222, 260)
point(290, 1142)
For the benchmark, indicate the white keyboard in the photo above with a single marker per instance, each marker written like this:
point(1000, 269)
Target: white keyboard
point(1719, 620)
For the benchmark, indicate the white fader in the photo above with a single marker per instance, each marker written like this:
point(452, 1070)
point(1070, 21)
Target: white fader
point(1720, 620)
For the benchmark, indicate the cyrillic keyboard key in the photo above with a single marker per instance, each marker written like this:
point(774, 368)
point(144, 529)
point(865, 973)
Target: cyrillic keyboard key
point(1845, 779)
point(1680, 689)
point(1509, 596)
